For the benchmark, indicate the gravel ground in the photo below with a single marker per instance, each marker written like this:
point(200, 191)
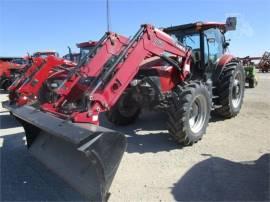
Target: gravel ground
point(230, 163)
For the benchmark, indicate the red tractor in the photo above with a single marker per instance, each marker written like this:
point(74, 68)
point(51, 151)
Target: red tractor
point(84, 47)
point(10, 69)
point(25, 90)
point(183, 71)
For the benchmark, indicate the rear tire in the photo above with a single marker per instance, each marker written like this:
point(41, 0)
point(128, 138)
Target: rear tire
point(189, 113)
point(230, 90)
point(125, 111)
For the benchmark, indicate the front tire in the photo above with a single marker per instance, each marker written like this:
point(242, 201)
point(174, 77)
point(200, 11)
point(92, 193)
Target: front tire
point(230, 90)
point(125, 112)
point(189, 113)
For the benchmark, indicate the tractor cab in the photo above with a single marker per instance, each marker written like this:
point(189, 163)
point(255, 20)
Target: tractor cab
point(85, 47)
point(205, 39)
point(74, 57)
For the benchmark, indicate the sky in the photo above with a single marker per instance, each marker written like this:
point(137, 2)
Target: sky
point(33, 25)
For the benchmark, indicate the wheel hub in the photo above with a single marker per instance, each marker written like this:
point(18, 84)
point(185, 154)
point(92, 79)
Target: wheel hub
point(198, 113)
point(237, 90)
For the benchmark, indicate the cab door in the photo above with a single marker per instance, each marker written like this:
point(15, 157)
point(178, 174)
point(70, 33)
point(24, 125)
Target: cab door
point(213, 48)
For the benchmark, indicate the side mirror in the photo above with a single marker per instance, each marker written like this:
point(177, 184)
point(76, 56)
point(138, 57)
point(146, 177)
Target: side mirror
point(226, 45)
point(231, 23)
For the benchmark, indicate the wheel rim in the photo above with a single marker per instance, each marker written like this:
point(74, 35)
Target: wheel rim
point(237, 90)
point(198, 113)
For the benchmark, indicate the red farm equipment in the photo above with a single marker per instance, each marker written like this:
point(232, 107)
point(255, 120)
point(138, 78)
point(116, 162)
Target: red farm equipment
point(264, 64)
point(25, 90)
point(183, 71)
point(10, 69)
point(84, 47)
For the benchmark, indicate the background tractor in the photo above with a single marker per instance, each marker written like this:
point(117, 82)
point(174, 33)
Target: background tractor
point(251, 78)
point(84, 47)
point(250, 70)
point(264, 64)
point(10, 69)
point(26, 88)
point(183, 71)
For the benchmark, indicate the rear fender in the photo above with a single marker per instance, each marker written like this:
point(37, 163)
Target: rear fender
point(225, 59)
point(163, 74)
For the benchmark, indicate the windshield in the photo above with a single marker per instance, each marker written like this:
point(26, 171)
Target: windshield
point(187, 38)
point(19, 61)
point(84, 51)
point(75, 57)
point(192, 41)
point(43, 55)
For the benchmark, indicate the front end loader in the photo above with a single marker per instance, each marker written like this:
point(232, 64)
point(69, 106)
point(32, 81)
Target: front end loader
point(20, 89)
point(177, 70)
point(26, 88)
point(86, 156)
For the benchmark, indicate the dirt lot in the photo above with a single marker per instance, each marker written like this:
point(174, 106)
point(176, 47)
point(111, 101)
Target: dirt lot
point(232, 161)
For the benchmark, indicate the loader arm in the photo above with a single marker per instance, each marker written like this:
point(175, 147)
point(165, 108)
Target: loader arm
point(148, 42)
point(29, 90)
point(114, 79)
point(90, 66)
point(27, 72)
point(86, 156)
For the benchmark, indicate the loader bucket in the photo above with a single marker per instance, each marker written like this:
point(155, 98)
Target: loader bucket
point(84, 155)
